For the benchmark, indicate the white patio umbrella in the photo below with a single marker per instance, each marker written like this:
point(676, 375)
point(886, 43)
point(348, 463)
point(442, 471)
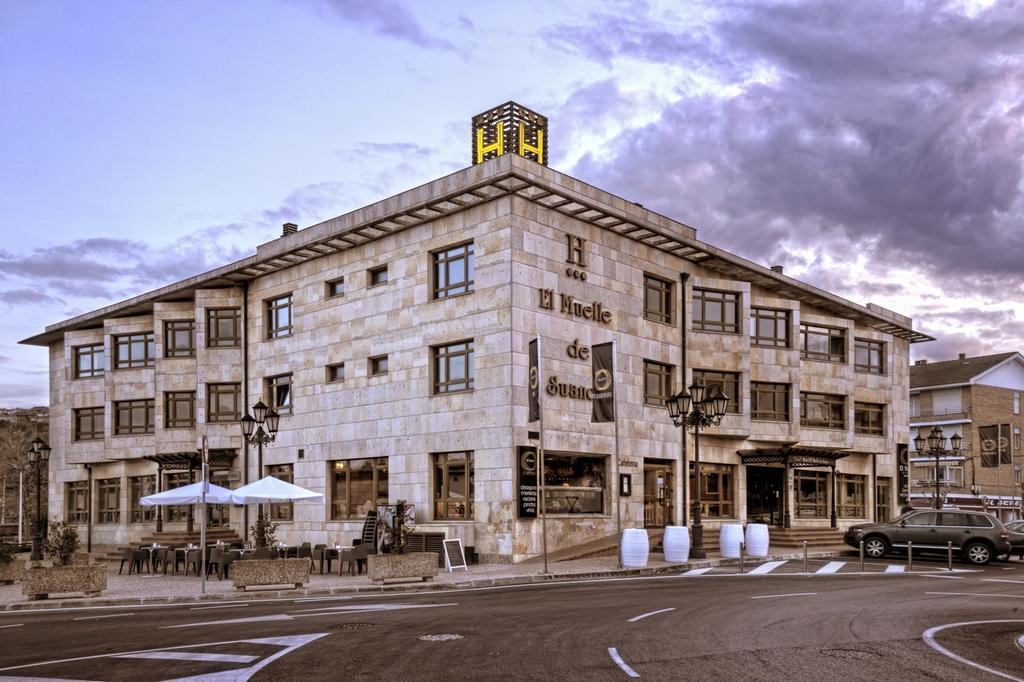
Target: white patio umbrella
point(269, 489)
point(188, 494)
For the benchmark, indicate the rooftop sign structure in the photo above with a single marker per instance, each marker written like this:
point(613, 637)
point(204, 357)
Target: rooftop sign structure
point(510, 127)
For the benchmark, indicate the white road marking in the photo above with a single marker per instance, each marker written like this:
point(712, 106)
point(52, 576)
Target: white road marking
point(791, 594)
point(830, 567)
point(766, 567)
point(372, 607)
point(1001, 580)
point(614, 653)
point(192, 656)
point(652, 613)
point(16, 625)
point(977, 594)
point(697, 571)
point(940, 575)
point(254, 619)
point(895, 568)
point(309, 599)
point(224, 606)
point(111, 615)
point(929, 638)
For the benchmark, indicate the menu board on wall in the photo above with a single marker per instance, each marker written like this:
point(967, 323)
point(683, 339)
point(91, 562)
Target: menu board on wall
point(527, 482)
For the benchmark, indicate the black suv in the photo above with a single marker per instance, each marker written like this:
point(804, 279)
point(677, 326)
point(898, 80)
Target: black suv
point(977, 536)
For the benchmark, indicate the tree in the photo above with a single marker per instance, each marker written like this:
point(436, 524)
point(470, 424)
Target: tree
point(16, 436)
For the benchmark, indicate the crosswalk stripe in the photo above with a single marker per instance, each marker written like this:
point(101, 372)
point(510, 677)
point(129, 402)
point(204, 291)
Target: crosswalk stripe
point(830, 567)
point(697, 571)
point(766, 567)
point(895, 568)
point(191, 656)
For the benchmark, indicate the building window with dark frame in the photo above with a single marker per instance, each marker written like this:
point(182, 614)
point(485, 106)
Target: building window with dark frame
point(139, 487)
point(90, 361)
point(108, 500)
point(223, 402)
point(717, 490)
point(453, 367)
point(176, 479)
point(769, 401)
point(89, 423)
point(574, 484)
point(657, 383)
point(283, 511)
point(377, 366)
point(279, 316)
point(336, 373)
point(179, 409)
point(869, 356)
point(358, 486)
point(452, 271)
point(851, 503)
point(657, 299)
point(883, 499)
point(133, 417)
point(811, 489)
point(377, 276)
point(716, 311)
point(453, 485)
point(869, 419)
point(335, 287)
point(134, 350)
point(818, 342)
point(729, 382)
point(823, 410)
point(223, 327)
point(279, 393)
point(769, 327)
point(76, 502)
point(179, 338)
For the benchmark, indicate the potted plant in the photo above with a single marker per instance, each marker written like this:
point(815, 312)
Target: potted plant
point(11, 568)
point(397, 561)
point(63, 575)
point(263, 531)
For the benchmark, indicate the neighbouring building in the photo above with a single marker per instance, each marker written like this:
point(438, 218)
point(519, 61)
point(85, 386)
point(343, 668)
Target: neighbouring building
point(980, 400)
point(393, 340)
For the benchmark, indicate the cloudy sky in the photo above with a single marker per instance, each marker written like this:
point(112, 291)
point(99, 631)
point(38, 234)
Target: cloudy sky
point(872, 148)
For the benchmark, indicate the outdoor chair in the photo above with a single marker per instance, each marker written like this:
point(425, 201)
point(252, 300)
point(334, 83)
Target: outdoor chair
point(192, 560)
point(305, 552)
point(320, 555)
point(126, 558)
point(160, 559)
point(354, 557)
point(219, 562)
point(179, 555)
point(140, 558)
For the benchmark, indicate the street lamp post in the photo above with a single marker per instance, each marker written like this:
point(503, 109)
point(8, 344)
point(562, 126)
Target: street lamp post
point(260, 429)
point(697, 411)
point(38, 457)
point(935, 446)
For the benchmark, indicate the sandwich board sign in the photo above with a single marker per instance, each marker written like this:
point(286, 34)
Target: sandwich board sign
point(454, 556)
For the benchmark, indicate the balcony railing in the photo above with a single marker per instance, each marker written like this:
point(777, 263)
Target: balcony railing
point(945, 413)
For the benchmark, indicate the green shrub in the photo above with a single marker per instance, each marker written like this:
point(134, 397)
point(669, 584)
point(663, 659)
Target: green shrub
point(62, 542)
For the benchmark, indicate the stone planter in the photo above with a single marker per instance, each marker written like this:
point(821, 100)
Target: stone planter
point(40, 582)
point(269, 572)
point(381, 567)
point(11, 571)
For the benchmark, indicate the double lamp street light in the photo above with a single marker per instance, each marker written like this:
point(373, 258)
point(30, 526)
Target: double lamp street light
point(935, 446)
point(38, 459)
point(698, 409)
point(260, 429)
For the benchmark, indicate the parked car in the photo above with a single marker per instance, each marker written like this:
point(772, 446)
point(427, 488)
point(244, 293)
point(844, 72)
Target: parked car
point(978, 537)
point(1016, 529)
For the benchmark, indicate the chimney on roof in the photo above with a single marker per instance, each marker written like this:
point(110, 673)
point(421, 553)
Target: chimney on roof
point(777, 268)
point(289, 228)
point(920, 362)
point(962, 356)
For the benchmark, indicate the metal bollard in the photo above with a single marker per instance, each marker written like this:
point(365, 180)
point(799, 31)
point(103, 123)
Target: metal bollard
point(949, 555)
point(741, 558)
point(910, 556)
point(805, 556)
point(861, 556)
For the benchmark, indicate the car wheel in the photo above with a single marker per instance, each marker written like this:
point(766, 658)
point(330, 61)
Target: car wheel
point(977, 553)
point(875, 547)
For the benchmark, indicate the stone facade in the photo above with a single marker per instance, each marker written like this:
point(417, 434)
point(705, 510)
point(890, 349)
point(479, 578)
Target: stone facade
point(522, 240)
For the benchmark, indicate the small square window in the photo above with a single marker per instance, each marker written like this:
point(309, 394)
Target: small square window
point(336, 287)
point(378, 365)
point(378, 276)
point(336, 372)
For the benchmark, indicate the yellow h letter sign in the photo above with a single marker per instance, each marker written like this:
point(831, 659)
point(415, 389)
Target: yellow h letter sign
point(524, 146)
point(497, 146)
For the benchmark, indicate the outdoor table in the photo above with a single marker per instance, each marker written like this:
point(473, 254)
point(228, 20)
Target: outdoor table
point(183, 552)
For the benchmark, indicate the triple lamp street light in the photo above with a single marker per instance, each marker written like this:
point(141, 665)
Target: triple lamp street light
point(260, 429)
point(38, 458)
point(935, 446)
point(698, 409)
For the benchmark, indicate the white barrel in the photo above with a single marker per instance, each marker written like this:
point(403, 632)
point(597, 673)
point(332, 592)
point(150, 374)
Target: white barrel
point(635, 547)
point(730, 540)
point(757, 540)
point(676, 544)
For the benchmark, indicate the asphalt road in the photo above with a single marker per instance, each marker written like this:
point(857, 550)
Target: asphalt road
point(782, 624)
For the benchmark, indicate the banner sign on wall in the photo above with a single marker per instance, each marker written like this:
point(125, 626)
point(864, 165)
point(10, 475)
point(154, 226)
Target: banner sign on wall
point(603, 382)
point(1005, 457)
point(527, 468)
point(989, 437)
point(534, 353)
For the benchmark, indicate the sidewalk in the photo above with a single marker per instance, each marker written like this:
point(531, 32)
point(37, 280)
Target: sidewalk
point(124, 590)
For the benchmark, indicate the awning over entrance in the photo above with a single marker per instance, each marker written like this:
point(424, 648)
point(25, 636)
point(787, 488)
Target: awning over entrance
point(220, 460)
point(792, 457)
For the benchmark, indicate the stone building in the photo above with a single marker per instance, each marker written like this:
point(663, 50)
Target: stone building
point(978, 399)
point(393, 341)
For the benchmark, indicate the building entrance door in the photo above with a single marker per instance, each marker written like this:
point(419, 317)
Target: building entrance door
point(658, 493)
point(764, 495)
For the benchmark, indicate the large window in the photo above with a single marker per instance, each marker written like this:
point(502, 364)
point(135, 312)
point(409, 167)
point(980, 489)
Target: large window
point(179, 338)
point(716, 311)
point(139, 487)
point(453, 367)
point(769, 401)
point(223, 327)
point(717, 490)
point(108, 500)
point(851, 502)
point(134, 350)
point(279, 393)
point(223, 402)
point(90, 361)
point(453, 485)
point(179, 409)
point(279, 317)
point(823, 410)
point(769, 327)
point(574, 484)
point(657, 299)
point(76, 501)
point(89, 423)
point(657, 383)
point(133, 416)
point(729, 382)
point(869, 356)
point(358, 486)
point(811, 494)
point(869, 418)
point(822, 343)
point(452, 271)
point(883, 499)
point(285, 472)
point(177, 512)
